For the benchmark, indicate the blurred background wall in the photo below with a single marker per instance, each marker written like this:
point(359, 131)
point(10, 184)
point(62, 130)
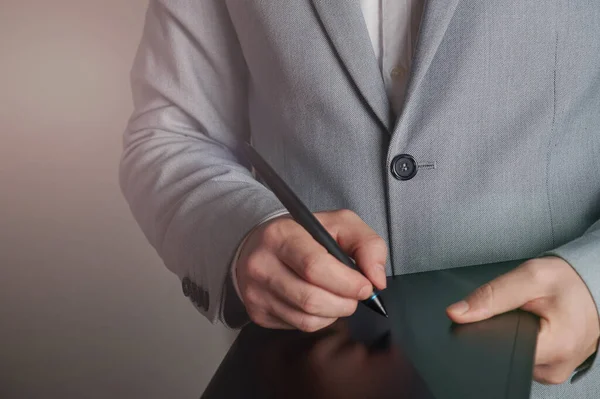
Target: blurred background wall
point(87, 310)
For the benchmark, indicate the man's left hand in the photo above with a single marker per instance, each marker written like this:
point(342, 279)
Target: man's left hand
point(550, 288)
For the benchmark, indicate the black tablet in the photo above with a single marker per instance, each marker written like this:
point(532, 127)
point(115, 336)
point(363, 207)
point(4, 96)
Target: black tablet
point(416, 353)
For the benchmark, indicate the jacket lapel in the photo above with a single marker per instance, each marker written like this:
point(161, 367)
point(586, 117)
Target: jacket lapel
point(345, 25)
point(437, 15)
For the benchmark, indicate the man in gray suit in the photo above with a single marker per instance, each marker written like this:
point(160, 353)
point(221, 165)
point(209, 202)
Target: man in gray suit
point(481, 146)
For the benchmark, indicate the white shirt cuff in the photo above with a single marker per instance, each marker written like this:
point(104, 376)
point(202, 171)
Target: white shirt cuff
point(239, 248)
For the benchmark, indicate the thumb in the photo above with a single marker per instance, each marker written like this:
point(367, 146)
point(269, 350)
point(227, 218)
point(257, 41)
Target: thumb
point(360, 242)
point(505, 293)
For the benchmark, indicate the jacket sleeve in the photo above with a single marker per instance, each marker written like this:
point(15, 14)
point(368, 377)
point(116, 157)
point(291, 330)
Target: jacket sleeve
point(193, 199)
point(583, 254)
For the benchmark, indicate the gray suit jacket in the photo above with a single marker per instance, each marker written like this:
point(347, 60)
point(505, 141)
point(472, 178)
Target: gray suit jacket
point(502, 114)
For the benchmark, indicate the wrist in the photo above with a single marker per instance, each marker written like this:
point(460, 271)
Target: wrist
point(236, 257)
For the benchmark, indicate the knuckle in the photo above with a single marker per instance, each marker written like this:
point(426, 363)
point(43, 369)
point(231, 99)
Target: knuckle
point(359, 285)
point(272, 233)
point(485, 293)
point(252, 298)
point(255, 266)
point(376, 241)
point(310, 303)
point(536, 273)
point(346, 214)
point(308, 323)
point(285, 246)
point(257, 317)
point(310, 266)
point(269, 281)
point(373, 242)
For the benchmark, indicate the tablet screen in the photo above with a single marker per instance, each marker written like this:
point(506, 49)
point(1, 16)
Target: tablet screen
point(415, 353)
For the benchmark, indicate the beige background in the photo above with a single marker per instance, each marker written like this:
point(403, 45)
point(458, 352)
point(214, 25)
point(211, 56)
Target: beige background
point(87, 310)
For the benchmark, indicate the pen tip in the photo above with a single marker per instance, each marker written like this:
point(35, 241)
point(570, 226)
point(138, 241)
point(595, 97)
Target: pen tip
point(376, 304)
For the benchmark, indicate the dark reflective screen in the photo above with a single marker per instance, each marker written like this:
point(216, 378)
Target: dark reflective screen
point(416, 353)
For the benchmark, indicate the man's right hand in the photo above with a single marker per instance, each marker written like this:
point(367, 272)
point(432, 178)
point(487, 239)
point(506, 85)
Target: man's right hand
point(289, 281)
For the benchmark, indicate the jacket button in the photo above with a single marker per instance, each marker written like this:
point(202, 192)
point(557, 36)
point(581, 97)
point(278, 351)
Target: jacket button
point(403, 167)
point(186, 286)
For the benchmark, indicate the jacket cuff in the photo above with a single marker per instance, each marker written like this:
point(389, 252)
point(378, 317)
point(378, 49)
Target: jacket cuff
point(233, 312)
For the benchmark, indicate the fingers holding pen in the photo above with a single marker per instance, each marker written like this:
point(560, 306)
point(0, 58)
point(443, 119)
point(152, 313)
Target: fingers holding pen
point(306, 297)
point(269, 311)
point(272, 292)
point(281, 297)
point(269, 275)
point(313, 264)
point(289, 280)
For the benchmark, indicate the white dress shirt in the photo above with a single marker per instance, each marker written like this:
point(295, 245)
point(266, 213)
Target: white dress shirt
point(393, 26)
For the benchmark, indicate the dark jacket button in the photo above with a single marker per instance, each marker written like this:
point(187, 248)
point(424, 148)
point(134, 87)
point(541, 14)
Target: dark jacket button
point(403, 167)
point(186, 286)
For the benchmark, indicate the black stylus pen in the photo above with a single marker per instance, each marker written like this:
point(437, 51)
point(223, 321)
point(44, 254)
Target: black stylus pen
point(305, 218)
